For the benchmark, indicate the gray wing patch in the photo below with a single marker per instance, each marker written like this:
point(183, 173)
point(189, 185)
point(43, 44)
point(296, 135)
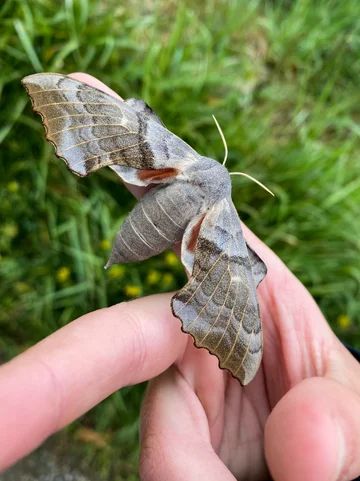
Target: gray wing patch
point(156, 223)
point(144, 109)
point(129, 174)
point(258, 266)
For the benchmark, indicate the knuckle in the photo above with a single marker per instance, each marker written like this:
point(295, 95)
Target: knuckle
point(54, 393)
point(136, 339)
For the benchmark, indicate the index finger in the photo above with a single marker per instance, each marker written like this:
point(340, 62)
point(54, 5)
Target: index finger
point(68, 373)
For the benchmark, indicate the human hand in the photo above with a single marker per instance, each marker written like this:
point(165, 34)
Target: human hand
point(300, 416)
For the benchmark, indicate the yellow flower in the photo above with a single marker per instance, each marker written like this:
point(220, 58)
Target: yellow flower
point(13, 186)
point(105, 244)
point(132, 291)
point(49, 53)
point(11, 230)
point(22, 287)
point(213, 101)
point(63, 274)
point(168, 279)
point(153, 277)
point(343, 321)
point(116, 272)
point(171, 259)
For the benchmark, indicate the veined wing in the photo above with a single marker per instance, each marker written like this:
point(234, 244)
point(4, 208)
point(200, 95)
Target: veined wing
point(219, 306)
point(91, 129)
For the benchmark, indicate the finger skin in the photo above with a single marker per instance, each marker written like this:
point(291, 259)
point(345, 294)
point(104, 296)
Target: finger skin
point(68, 373)
point(175, 438)
point(94, 82)
point(74, 369)
point(313, 433)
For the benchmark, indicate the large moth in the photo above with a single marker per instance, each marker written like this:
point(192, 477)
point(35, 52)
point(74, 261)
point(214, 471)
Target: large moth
point(191, 200)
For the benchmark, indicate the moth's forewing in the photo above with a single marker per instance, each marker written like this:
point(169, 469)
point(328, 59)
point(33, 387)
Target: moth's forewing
point(91, 129)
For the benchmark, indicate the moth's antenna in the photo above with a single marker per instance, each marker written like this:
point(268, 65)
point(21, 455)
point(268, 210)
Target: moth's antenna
point(252, 178)
point(222, 138)
point(226, 155)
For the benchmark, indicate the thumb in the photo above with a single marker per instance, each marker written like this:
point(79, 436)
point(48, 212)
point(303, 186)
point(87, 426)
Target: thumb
point(314, 433)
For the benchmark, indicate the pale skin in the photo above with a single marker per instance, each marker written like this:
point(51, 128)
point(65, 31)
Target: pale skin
point(298, 420)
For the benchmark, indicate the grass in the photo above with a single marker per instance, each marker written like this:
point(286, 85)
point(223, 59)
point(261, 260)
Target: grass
point(282, 80)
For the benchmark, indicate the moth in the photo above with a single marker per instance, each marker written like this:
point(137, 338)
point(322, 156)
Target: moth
point(190, 200)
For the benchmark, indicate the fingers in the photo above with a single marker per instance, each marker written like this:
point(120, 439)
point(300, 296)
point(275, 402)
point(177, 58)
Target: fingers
point(71, 371)
point(314, 433)
point(175, 439)
point(94, 82)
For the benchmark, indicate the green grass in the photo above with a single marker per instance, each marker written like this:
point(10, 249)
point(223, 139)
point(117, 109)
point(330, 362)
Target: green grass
point(282, 79)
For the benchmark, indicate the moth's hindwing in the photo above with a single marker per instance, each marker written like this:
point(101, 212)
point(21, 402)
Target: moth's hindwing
point(156, 223)
point(219, 306)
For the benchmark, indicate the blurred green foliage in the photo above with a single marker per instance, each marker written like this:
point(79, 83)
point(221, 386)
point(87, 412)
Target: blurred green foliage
point(281, 78)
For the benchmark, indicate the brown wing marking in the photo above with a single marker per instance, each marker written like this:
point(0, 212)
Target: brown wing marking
point(157, 175)
point(191, 244)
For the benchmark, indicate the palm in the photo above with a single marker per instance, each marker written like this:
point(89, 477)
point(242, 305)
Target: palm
point(235, 415)
point(232, 418)
point(238, 415)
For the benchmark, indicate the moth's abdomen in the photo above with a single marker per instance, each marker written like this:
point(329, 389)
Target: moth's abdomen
point(155, 224)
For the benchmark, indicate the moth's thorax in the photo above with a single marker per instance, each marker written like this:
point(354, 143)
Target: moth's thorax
point(213, 178)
